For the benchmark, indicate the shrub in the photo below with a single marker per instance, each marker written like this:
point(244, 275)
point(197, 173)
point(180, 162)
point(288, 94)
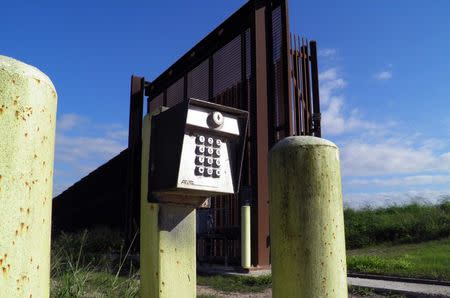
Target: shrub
point(397, 224)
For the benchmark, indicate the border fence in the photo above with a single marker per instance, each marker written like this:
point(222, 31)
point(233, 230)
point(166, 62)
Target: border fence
point(252, 62)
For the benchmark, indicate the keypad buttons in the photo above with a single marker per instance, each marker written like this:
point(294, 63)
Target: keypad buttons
point(199, 170)
point(200, 149)
point(200, 139)
point(217, 162)
point(199, 160)
point(208, 172)
point(208, 155)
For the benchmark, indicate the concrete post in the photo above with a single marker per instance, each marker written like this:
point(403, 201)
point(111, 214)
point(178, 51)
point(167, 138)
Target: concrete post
point(306, 219)
point(245, 237)
point(27, 138)
point(168, 241)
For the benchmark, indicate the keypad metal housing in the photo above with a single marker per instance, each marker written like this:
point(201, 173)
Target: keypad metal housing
point(191, 156)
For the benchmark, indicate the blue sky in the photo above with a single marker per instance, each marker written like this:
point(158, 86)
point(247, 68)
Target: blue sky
point(385, 80)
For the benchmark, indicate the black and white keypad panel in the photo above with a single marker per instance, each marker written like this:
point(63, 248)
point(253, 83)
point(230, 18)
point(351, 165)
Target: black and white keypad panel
point(208, 156)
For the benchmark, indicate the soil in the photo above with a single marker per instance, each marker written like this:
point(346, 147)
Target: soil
point(203, 290)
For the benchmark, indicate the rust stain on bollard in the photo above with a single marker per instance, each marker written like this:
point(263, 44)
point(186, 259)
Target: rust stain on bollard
point(24, 90)
point(162, 274)
point(306, 219)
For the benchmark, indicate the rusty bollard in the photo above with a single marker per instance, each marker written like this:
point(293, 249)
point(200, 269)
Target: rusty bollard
point(27, 140)
point(167, 240)
point(306, 219)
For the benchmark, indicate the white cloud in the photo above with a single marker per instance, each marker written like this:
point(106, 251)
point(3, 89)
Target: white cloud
point(381, 155)
point(385, 199)
point(120, 134)
point(335, 120)
point(418, 180)
point(74, 149)
point(327, 52)
point(360, 158)
point(70, 121)
point(330, 83)
point(78, 153)
point(373, 148)
point(383, 75)
point(391, 156)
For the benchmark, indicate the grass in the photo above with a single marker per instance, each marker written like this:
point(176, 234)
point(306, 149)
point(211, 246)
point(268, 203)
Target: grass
point(426, 260)
point(88, 283)
point(80, 267)
point(368, 292)
point(412, 223)
point(234, 283)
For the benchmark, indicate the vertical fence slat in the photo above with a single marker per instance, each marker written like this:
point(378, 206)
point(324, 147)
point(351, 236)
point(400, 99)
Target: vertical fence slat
point(315, 90)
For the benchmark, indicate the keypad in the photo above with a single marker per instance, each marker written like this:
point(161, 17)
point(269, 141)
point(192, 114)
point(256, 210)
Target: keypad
point(200, 150)
point(207, 156)
point(200, 139)
point(217, 162)
point(199, 160)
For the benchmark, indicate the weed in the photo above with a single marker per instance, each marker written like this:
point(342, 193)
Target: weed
point(397, 224)
point(428, 259)
point(79, 268)
point(235, 283)
point(361, 291)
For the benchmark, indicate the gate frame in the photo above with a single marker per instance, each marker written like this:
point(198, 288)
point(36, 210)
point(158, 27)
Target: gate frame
point(255, 15)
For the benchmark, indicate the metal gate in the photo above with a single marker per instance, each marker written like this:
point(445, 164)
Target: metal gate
point(248, 62)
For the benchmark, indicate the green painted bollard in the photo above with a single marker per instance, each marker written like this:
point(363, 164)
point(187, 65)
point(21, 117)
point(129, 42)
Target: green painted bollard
point(306, 219)
point(27, 138)
point(168, 241)
point(245, 237)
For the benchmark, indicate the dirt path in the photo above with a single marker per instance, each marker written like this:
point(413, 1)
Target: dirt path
point(203, 290)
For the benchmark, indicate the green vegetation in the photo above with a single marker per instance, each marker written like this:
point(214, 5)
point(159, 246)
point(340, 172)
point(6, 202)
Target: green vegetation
point(81, 267)
point(398, 224)
point(96, 263)
point(427, 260)
point(235, 283)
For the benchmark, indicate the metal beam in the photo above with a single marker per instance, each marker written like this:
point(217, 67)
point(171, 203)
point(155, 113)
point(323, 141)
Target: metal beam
point(132, 204)
point(315, 90)
point(260, 218)
point(220, 36)
point(286, 69)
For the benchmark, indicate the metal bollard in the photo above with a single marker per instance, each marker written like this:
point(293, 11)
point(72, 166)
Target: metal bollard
point(167, 240)
point(245, 237)
point(27, 139)
point(306, 219)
